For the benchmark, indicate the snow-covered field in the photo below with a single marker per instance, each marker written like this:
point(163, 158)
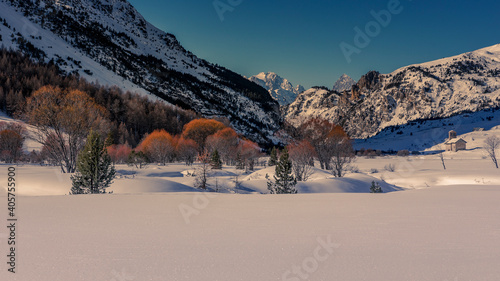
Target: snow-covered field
point(444, 226)
point(439, 233)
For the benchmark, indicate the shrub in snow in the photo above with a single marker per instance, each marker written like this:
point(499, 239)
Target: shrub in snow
point(390, 167)
point(375, 188)
point(137, 159)
point(354, 169)
point(373, 171)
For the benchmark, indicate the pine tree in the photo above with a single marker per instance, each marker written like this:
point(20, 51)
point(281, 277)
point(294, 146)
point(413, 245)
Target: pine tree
point(273, 160)
point(375, 188)
point(284, 181)
point(109, 140)
point(216, 162)
point(94, 171)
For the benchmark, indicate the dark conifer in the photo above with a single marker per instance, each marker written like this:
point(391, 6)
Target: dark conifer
point(284, 181)
point(94, 171)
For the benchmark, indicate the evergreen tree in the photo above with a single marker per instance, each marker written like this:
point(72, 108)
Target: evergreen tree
point(273, 160)
point(375, 188)
point(216, 163)
point(240, 165)
point(284, 181)
point(109, 140)
point(94, 171)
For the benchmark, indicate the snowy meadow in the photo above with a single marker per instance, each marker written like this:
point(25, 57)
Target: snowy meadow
point(435, 224)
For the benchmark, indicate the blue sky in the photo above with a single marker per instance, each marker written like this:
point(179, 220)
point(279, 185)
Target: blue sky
point(300, 40)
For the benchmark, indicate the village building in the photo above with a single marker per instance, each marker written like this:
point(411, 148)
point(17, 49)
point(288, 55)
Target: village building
point(454, 143)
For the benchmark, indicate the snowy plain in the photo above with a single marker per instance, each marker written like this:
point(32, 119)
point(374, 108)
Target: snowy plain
point(431, 224)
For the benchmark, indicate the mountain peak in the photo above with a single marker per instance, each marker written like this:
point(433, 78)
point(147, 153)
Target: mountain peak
point(344, 83)
point(280, 88)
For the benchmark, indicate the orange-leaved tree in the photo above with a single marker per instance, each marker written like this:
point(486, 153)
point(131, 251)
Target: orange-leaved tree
point(226, 143)
point(249, 152)
point(186, 150)
point(119, 153)
point(11, 141)
point(63, 119)
point(11, 145)
point(199, 129)
point(158, 146)
point(332, 144)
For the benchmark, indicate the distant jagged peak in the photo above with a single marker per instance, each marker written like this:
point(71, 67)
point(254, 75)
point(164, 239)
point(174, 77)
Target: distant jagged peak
point(344, 83)
point(280, 88)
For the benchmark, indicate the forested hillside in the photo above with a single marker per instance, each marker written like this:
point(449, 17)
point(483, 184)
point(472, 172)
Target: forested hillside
point(131, 116)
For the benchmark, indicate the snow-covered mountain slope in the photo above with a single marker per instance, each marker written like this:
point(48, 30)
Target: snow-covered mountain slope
point(344, 83)
point(317, 101)
point(429, 134)
point(280, 89)
point(443, 88)
point(110, 42)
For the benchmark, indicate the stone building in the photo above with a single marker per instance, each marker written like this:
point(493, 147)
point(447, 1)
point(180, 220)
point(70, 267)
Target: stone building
point(454, 143)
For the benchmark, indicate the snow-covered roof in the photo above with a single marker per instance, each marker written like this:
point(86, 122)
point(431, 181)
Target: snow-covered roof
point(452, 141)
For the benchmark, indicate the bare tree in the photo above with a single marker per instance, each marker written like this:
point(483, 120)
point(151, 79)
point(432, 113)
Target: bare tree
point(340, 151)
point(302, 156)
point(316, 131)
point(63, 120)
point(203, 170)
point(441, 157)
point(491, 144)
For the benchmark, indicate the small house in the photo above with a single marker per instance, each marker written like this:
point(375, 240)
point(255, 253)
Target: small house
point(454, 143)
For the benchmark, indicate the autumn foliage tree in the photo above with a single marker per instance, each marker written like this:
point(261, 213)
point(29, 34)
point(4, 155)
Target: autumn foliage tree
point(332, 145)
point(63, 119)
point(199, 129)
point(249, 151)
point(316, 132)
point(158, 146)
point(119, 153)
point(186, 150)
point(226, 143)
point(11, 141)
